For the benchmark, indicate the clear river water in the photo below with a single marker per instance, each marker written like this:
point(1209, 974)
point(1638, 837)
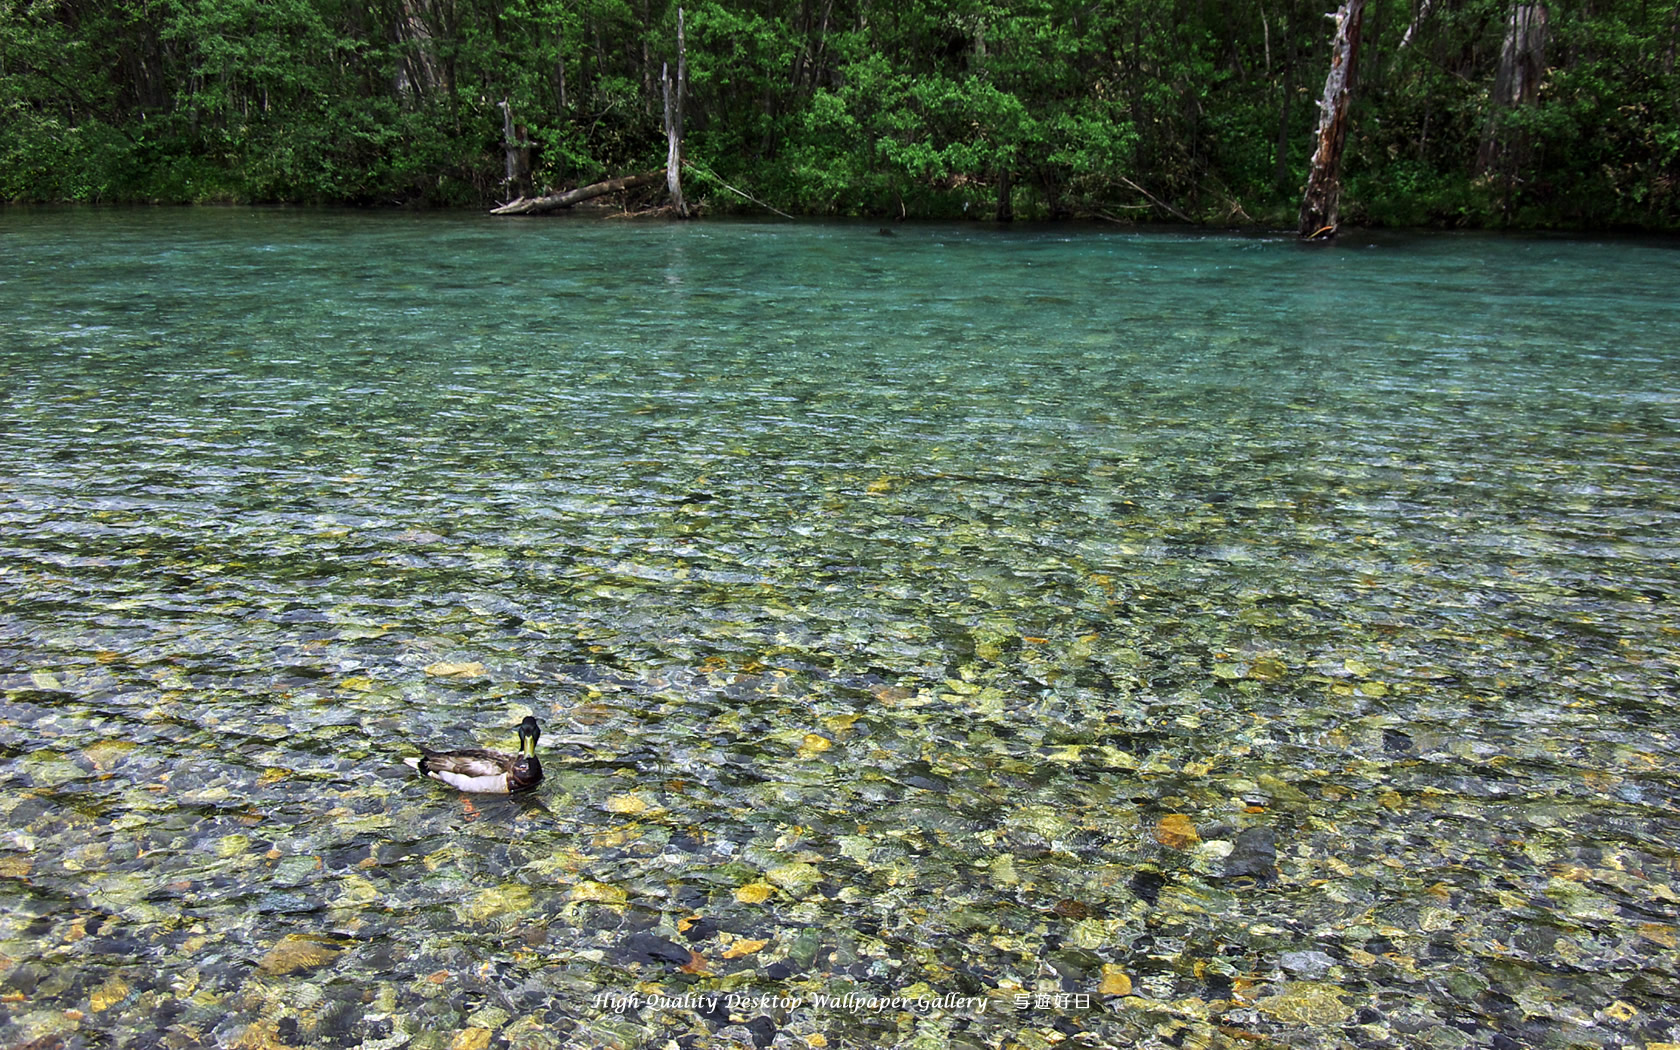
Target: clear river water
point(960, 637)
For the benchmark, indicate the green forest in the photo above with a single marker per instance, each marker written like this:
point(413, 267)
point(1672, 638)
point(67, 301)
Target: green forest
point(1198, 110)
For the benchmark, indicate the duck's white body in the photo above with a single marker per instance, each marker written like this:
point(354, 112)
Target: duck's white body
point(486, 772)
point(484, 783)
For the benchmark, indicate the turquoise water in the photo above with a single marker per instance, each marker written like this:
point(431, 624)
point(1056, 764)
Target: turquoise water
point(1216, 641)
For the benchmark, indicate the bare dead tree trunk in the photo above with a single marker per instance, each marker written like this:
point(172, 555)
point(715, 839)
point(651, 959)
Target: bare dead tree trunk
point(673, 147)
point(517, 151)
point(1322, 199)
point(674, 123)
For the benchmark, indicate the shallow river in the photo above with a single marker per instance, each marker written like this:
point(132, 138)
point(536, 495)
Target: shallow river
point(957, 638)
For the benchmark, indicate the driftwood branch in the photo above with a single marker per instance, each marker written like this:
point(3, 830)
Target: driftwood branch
point(1158, 202)
point(554, 201)
point(712, 175)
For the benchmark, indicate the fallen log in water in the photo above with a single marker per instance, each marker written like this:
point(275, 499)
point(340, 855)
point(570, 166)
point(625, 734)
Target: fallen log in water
point(534, 205)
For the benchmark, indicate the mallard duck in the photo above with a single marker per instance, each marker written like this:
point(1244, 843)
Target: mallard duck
point(486, 772)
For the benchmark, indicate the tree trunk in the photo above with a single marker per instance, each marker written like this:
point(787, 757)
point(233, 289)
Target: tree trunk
point(1522, 61)
point(809, 65)
point(517, 152)
point(1673, 40)
point(647, 57)
point(420, 73)
point(560, 69)
point(822, 46)
point(674, 123)
point(533, 205)
point(1417, 20)
point(1521, 64)
point(1280, 167)
point(1321, 201)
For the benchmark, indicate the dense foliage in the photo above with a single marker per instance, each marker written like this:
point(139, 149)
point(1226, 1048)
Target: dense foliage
point(1119, 108)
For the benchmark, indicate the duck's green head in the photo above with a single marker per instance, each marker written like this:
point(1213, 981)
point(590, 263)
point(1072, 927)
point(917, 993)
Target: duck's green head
point(528, 734)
